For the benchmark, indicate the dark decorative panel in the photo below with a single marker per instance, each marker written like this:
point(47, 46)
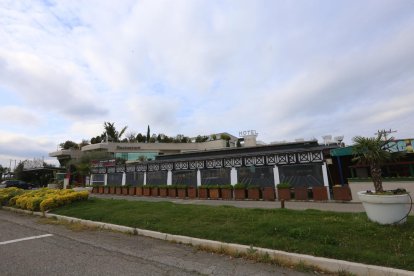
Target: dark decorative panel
point(316, 156)
point(134, 178)
point(258, 176)
point(111, 169)
point(120, 168)
point(215, 176)
point(157, 178)
point(271, 160)
point(188, 178)
point(114, 179)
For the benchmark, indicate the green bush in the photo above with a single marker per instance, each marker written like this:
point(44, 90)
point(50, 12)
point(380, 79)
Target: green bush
point(240, 186)
point(228, 186)
point(284, 185)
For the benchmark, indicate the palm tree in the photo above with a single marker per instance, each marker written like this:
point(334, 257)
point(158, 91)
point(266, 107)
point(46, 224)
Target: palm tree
point(112, 133)
point(374, 152)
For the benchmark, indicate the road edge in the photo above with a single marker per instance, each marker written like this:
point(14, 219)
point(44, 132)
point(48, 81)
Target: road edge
point(327, 264)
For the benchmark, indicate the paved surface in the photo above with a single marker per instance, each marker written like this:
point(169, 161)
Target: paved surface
point(294, 205)
point(97, 252)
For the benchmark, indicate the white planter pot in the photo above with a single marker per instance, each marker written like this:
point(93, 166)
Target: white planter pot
point(385, 209)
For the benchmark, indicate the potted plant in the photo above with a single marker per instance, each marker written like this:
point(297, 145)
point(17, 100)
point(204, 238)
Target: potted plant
point(203, 192)
point(320, 193)
point(112, 189)
point(118, 190)
point(125, 189)
point(226, 192)
point(192, 192)
point(342, 193)
point(139, 191)
point(181, 191)
point(239, 191)
point(131, 190)
point(146, 190)
point(154, 191)
point(253, 192)
point(381, 206)
point(283, 191)
point(106, 189)
point(268, 193)
point(100, 189)
point(172, 191)
point(214, 192)
point(163, 190)
point(301, 193)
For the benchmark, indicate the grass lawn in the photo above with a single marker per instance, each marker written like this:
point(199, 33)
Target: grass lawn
point(345, 236)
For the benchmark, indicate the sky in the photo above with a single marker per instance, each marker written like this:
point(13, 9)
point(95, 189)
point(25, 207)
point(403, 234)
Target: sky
point(287, 69)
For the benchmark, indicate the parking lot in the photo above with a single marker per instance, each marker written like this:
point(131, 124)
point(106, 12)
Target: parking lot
point(33, 246)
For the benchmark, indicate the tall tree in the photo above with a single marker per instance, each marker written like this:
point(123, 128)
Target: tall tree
point(148, 134)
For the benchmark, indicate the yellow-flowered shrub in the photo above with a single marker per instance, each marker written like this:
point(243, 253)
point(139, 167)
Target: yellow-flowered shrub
point(43, 199)
point(8, 193)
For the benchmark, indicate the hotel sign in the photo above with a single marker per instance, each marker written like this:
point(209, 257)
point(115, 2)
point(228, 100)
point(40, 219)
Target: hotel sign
point(247, 133)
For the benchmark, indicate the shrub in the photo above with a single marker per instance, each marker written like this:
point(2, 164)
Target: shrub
point(240, 186)
point(284, 185)
point(42, 199)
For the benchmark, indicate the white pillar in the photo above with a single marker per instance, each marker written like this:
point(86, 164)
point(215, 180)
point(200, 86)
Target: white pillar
point(105, 179)
point(169, 177)
point(123, 179)
point(276, 175)
point(276, 178)
point(145, 178)
point(198, 178)
point(91, 180)
point(325, 179)
point(233, 176)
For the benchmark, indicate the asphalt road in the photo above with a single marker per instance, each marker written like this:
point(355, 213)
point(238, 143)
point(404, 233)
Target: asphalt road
point(35, 246)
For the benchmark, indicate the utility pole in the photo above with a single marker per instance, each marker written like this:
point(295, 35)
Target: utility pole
point(385, 132)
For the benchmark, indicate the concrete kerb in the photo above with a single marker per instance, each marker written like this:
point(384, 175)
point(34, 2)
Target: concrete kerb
point(327, 264)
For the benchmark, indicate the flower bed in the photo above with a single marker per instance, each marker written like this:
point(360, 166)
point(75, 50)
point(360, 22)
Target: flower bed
point(40, 200)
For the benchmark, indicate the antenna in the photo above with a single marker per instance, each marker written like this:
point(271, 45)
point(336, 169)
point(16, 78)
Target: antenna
point(385, 132)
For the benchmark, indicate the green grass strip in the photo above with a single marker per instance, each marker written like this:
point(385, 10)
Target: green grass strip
point(344, 236)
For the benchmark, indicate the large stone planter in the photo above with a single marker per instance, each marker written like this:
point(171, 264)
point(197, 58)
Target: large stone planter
point(192, 192)
point(226, 193)
point(139, 191)
point(118, 190)
point(146, 191)
point(202, 193)
point(125, 190)
point(268, 194)
point(385, 209)
point(214, 193)
point(301, 193)
point(240, 194)
point(154, 191)
point(163, 192)
point(253, 193)
point(283, 193)
point(320, 193)
point(131, 191)
point(172, 192)
point(182, 193)
point(342, 193)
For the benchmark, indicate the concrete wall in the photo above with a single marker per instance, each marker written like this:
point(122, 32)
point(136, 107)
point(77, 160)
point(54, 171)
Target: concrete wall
point(389, 185)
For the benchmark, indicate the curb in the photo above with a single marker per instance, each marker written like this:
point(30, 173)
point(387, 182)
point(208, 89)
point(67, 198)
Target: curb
point(332, 265)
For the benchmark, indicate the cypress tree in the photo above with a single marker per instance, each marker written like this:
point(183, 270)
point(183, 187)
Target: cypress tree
point(148, 134)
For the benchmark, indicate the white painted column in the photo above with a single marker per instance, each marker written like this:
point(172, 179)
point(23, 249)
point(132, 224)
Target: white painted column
point(145, 178)
point(276, 178)
point(105, 179)
point(123, 179)
point(325, 179)
point(169, 177)
point(233, 176)
point(198, 178)
point(91, 180)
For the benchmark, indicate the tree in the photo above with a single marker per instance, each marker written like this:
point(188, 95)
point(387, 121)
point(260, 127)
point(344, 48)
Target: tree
point(140, 138)
point(69, 145)
point(3, 170)
point(132, 137)
point(374, 152)
point(83, 143)
point(111, 132)
point(148, 134)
